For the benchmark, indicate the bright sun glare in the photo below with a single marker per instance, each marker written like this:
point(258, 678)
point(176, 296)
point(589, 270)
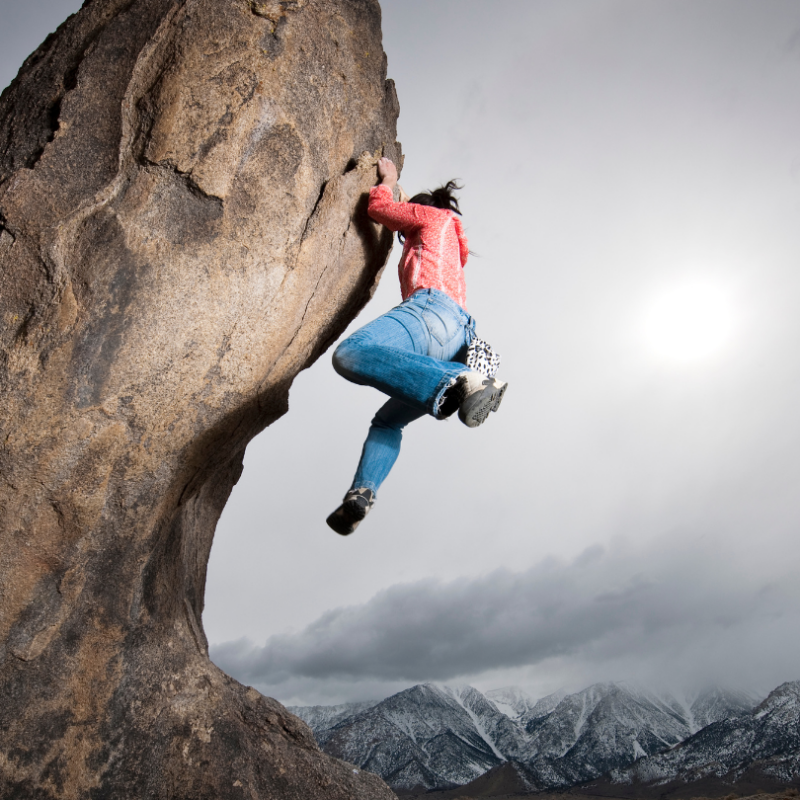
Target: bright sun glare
point(689, 322)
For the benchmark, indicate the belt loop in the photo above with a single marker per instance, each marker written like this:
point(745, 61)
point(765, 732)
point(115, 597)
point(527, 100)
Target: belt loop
point(471, 329)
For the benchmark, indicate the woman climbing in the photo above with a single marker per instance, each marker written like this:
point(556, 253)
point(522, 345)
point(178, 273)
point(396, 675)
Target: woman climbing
point(416, 352)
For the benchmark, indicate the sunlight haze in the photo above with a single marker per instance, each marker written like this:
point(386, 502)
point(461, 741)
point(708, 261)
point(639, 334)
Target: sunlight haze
point(689, 322)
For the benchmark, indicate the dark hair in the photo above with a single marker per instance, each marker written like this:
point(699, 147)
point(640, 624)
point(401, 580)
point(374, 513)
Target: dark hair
point(442, 197)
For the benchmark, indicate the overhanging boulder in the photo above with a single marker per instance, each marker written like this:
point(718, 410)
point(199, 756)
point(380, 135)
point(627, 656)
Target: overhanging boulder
point(182, 230)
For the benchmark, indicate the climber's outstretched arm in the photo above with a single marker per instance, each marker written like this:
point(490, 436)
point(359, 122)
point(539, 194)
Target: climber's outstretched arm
point(405, 217)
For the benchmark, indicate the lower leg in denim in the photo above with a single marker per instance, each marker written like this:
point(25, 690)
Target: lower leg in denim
point(382, 445)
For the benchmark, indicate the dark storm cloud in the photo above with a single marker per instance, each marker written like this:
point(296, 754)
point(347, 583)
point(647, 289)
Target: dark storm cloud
point(606, 605)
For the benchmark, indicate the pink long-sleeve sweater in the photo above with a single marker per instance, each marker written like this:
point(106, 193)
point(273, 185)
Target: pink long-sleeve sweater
point(435, 250)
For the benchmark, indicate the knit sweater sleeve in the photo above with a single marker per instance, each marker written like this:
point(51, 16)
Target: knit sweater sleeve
point(463, 246)
point(405, 217)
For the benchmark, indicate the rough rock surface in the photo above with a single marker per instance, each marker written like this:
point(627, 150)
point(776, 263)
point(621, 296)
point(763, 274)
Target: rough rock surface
point(182, 229)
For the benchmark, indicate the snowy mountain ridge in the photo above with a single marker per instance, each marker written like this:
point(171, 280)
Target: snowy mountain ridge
point(436, 737)
point(764, 742)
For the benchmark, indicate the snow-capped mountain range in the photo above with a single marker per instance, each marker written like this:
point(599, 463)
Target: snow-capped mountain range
point(763, 743)
point(438, 737)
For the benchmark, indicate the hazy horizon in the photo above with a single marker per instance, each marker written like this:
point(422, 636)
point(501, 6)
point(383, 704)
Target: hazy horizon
point(684, 695)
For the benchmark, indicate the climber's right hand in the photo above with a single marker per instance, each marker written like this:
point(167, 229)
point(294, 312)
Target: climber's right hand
point(387, 172)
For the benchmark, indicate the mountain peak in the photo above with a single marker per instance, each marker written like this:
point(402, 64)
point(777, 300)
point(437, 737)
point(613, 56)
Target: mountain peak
point(434, 736)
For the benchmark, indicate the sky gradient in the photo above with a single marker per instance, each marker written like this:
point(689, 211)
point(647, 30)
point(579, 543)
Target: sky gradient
point(625, 516)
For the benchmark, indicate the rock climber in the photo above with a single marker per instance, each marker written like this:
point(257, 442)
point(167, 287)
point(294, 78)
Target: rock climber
point(416, 353)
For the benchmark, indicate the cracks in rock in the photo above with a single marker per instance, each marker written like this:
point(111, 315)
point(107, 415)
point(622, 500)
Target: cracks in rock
point(56, 506)
point(311, 300)
point(24, 330)
point(5, 478)
point(136, 121)
point(52, 125)
point(349, 167)
point(275, 13)
point(69, 82)
point(4, 228)
point(195, 189)
point(311, 217)
point(53, 113)
point(184, 178)
point(274, 10)
point(194, 627)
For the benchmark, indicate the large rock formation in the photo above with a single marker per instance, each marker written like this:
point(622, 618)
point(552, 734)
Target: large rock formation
point(182, 229)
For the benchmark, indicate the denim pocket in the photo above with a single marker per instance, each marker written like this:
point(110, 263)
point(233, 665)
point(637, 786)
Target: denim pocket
point(442, 325)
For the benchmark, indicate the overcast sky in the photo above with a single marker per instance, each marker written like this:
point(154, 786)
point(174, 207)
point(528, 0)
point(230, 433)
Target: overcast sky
point(626, 515)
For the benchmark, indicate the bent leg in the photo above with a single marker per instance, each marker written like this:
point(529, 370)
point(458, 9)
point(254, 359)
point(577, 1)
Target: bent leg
point(391, 355)
point(382, 445)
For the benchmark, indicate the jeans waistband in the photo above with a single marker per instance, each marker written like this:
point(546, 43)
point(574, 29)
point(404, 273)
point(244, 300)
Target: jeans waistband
point(442, 298)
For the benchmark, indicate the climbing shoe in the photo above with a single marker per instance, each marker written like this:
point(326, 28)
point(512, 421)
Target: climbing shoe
point(477, 396)
point(354, 507)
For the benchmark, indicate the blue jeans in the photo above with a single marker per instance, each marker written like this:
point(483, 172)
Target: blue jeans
point(413, 353)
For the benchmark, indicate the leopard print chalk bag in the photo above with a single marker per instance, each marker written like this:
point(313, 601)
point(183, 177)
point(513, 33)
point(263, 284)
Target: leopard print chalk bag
point(482, 358)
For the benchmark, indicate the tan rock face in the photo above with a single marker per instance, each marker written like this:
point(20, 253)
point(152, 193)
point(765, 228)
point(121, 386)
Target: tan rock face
point(182, 229)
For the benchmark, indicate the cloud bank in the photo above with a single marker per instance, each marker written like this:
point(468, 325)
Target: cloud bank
point(657, 611)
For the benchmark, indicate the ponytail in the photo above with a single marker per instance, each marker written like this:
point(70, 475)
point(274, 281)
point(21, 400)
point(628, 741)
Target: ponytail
point(442, 197)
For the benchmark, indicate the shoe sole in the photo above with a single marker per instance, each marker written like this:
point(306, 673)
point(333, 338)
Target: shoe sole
point(355, 510)
point(339, 523)
point(347, 517)
point(489, 401)
point(500, 394)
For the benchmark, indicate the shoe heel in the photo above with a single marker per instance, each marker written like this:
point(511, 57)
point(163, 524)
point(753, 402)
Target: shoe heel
point(355, 510)
point(500, 395)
